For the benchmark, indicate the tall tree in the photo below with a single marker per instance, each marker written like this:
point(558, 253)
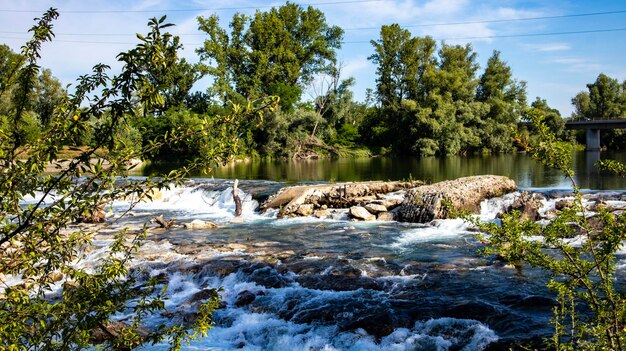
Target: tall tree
point(448, 122)
point(402, 61)
point(270, 53)
point(551, 117)
point(506, 99)
point(606, 99)
point(581, 105)
point(9, 62)
point(167, 83)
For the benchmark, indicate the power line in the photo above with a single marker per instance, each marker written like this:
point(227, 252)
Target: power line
point(518, 35)
point(504, 20)
point(194, 9)
point(520, 19)
point(367, 42)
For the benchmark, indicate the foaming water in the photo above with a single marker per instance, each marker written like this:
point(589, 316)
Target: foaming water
point(293, 317)
point(437, 231)
point(196, 202)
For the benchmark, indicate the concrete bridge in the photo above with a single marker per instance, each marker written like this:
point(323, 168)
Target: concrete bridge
point(592, 130)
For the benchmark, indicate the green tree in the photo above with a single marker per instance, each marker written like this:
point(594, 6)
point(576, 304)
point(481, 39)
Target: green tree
point(38, 242)
point(551, 117)
point(581, 105)
point(402, 62)
point(9, 61)
point(276, 52)
point(506, 99)
point(605, 98)
point(167, 82)
point(449, 121)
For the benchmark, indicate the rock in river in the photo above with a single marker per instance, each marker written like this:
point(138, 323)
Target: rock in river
point(425, 203)
point(361, 213)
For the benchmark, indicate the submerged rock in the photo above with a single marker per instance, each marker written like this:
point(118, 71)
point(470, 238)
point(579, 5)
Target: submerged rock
point(244, 298)
point(112, 330)
point(378, 324)
point(200, 224)
point(439, 200)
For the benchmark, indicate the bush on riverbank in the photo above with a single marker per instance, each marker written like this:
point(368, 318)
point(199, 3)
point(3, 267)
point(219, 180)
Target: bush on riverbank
point(591, 310)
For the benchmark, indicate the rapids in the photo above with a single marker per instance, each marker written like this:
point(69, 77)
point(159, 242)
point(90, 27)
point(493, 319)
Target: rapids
point(332, 284)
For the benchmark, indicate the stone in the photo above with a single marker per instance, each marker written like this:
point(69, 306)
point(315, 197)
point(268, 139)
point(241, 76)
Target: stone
point(200, 224)
point(202, 295)
point(237, 220)
point(55, 276)
point(321, 214)
point(96, 215)
point(563, 203)
point(378, 324)
point(341, 195)
point(375, 208)
point(361, 213)
point(305, 210)
point(162, 278)
point(244, 298)
point(112, 331)
point(437, 201)
point(528, 204)
point(234, 246)
point(385, 216)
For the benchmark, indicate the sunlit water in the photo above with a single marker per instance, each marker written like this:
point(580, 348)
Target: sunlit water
point(335, 284)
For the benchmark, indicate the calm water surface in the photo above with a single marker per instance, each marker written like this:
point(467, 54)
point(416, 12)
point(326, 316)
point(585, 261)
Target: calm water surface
point(527, 172)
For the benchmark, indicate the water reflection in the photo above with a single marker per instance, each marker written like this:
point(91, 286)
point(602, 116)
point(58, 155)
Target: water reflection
point(527, 172)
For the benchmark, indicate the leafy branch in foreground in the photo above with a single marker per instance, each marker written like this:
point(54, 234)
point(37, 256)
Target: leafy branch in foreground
point(47, 300)
point(590, 313)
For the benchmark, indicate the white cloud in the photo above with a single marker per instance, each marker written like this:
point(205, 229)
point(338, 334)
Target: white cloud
point(577, 64)
point(547, 47)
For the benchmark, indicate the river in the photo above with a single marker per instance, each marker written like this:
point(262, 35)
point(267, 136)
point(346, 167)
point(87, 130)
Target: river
point(334, 284)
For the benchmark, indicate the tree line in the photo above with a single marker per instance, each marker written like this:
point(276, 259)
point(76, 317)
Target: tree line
point(429, 98)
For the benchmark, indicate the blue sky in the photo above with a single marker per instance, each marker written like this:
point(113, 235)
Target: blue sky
point(555, 67)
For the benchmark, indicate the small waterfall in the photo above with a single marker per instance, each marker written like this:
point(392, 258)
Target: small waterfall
point(197, 201)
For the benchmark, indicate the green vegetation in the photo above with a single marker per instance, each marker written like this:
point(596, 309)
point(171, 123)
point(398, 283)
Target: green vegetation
point(40, 242)
point(429, 99)
point(590, 313)
point(436, 105)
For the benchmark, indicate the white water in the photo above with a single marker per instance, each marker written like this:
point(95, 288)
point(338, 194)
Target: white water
point(196, 203)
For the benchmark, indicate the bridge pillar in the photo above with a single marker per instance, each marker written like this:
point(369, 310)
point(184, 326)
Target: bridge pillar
point(593, 139)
